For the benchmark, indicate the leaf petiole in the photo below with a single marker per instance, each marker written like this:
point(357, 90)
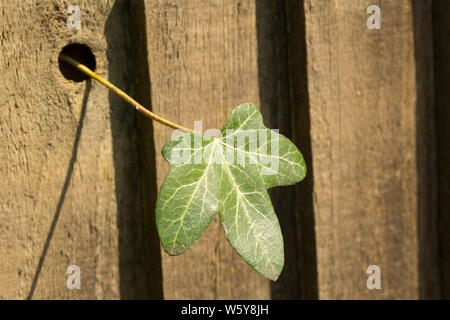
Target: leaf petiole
point(122, 94)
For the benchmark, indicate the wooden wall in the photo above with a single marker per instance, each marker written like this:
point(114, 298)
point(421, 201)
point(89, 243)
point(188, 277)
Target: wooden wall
point(369, 109)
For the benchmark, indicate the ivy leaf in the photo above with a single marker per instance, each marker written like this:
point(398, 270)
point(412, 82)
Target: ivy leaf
point(229, 175)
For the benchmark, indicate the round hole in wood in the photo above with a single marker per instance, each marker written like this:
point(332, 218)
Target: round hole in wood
point(81, 53)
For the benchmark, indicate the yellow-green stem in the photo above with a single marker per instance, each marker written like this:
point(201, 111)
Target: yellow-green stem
point(122, 94)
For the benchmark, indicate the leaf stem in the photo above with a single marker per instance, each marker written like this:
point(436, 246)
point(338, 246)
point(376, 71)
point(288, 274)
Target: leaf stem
point(122, 94)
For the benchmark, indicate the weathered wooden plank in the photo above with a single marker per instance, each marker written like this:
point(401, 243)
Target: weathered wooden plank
point(366, 103)
point(68, 158)
point(203, 63)
point(442, 100)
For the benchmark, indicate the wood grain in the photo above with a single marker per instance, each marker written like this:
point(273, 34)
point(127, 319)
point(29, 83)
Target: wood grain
point(68, 154)
point(366, 120)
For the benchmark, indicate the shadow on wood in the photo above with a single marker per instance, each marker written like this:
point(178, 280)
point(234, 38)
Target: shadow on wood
point(139, 250)
point(442, 116)
point(64, 189)
point(285, 106)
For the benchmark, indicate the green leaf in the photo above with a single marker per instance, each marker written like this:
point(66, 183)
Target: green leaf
point(229, 175)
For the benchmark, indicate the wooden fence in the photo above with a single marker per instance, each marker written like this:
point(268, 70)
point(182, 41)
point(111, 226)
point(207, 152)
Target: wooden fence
point(369, 108)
